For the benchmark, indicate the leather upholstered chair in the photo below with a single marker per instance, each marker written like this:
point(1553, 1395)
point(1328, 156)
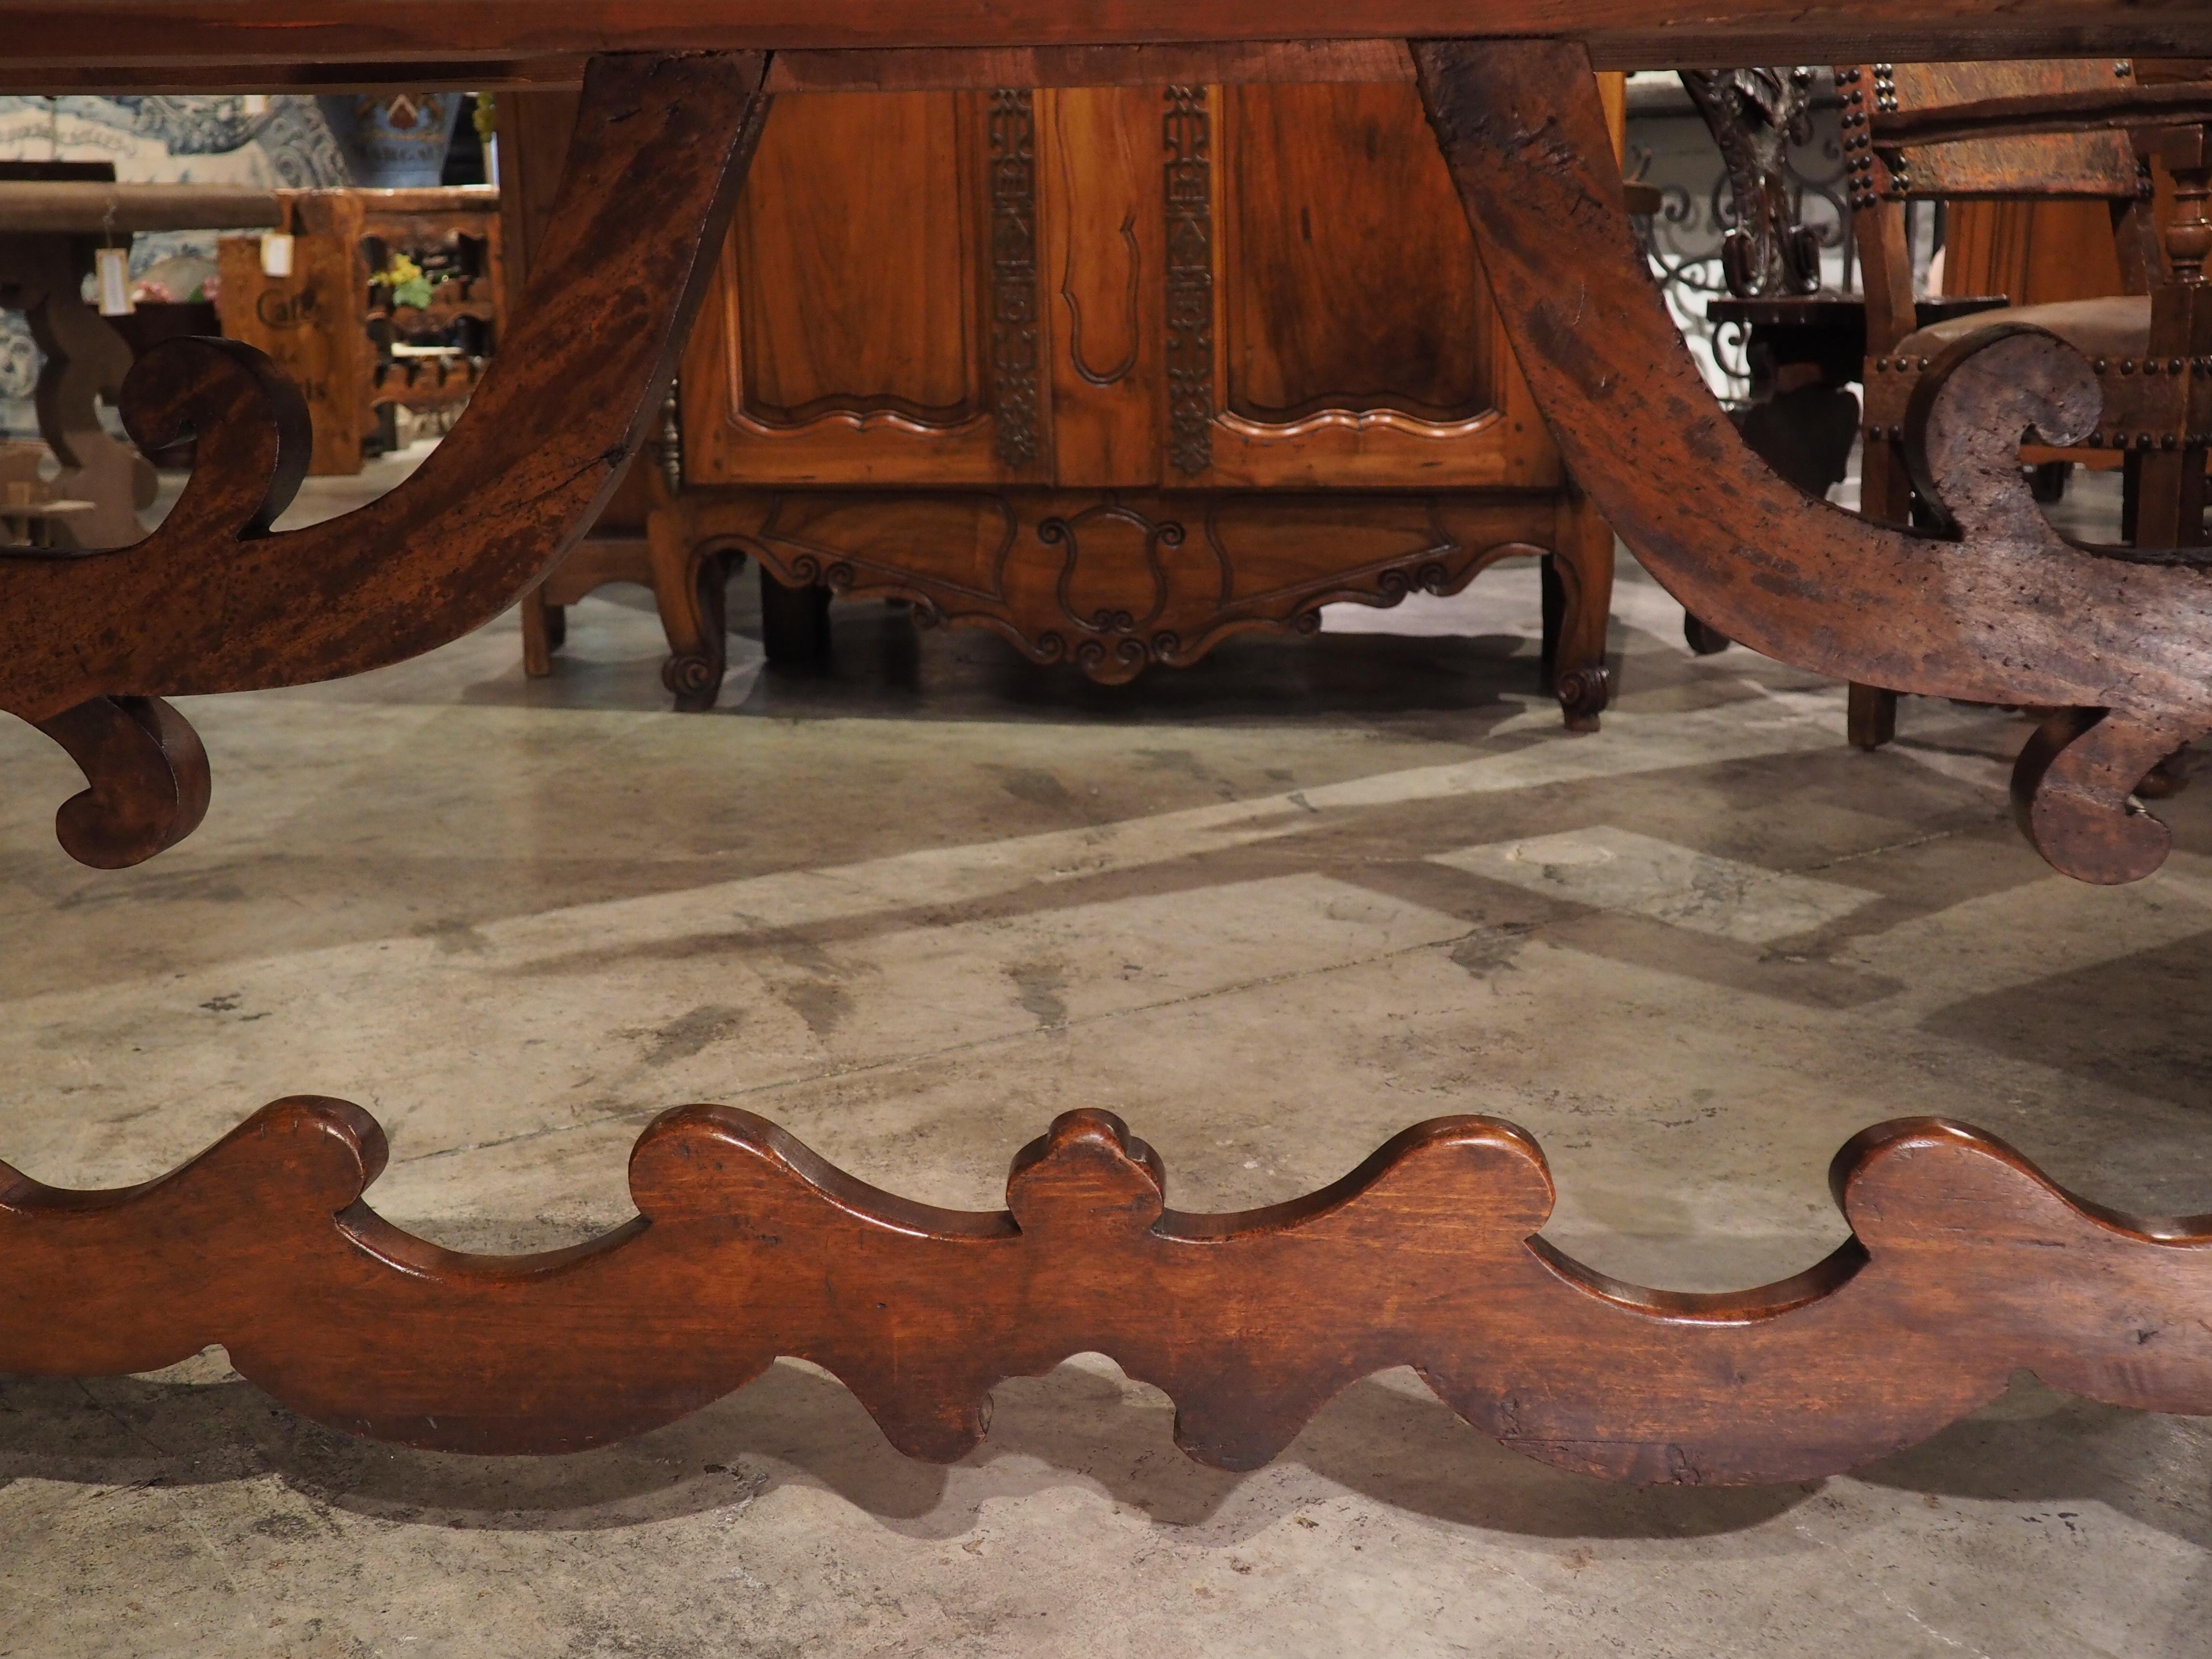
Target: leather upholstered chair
point(2067, 128)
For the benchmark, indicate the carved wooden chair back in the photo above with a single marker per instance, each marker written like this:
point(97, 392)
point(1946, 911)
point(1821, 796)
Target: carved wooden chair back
point(2083, 128)
point(2041, 131)
point(2099, 164)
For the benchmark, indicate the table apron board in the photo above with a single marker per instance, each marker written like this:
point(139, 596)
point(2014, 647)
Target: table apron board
point(267, 45)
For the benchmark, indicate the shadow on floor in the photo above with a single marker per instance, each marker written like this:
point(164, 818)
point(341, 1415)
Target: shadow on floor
point(1384, 1437)
point(2067, 1021)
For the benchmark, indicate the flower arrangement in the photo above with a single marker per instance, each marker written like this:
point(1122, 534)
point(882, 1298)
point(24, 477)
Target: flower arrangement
point(409, 285)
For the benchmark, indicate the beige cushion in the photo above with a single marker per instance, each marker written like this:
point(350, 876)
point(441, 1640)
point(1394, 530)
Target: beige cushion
point(2119, 326)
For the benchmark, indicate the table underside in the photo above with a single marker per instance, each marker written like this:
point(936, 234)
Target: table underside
point(1964, 1262)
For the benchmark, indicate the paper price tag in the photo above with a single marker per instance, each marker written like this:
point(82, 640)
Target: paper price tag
point(111, 269)
point(276, 254)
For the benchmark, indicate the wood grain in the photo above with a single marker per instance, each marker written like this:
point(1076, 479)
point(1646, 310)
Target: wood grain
point(78, 36)
point(146, 776)
point(1349, 278)
point(1104, 226)
point(97, 209)
point(1963, 1264)
point(1295, 63)
point(819, 355)
point(2008, 612)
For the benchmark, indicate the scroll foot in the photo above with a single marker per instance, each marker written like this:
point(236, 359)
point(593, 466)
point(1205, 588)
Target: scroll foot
point(148, 775)
point(1584, 693)
point(2072, 794)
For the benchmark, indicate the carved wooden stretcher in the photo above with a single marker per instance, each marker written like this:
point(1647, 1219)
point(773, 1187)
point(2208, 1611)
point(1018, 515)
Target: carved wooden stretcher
point(1964, 1263)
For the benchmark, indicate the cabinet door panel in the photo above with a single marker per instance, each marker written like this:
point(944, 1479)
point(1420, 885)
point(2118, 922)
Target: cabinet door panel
point(1354, 340)
point(855, 283)
point(849, 337)
point(1098, 149)
point(1354, 283)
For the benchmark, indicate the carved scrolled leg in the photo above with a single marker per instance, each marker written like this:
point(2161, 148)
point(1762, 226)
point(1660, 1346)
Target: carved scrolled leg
point(2001, 611)
point(690, 583)
point(2071, 791)
point(1964, 1263)
point(1578, 581)
point(149, 778)
point(249, 426)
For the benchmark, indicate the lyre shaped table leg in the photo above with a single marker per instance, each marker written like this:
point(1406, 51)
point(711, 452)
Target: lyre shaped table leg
point(214, 601)
point(2008, 612)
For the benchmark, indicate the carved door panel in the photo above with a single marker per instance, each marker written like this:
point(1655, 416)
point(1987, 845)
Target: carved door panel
point(873, 318)
point(1103, 234)
point(1352, 341)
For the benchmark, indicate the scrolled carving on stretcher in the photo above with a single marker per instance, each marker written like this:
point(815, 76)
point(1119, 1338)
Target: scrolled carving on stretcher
point(1963, 1264)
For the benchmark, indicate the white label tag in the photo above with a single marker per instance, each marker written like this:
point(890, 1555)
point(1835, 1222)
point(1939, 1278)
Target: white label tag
point(111, 268)
point(276, 254)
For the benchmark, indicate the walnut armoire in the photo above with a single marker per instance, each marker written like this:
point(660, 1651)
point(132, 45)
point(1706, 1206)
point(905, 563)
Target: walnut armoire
point(1115, 372)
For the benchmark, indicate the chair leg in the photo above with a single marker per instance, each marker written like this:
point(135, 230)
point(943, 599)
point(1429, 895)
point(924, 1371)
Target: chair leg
point(1886, 494)
point(689, 579)
point(1702, 637)
point(1577, 578)
point(1871, 720)
point(2167, 779)
point(544, 627)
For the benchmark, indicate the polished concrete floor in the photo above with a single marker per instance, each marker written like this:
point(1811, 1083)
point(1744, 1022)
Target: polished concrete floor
point(1270, 909)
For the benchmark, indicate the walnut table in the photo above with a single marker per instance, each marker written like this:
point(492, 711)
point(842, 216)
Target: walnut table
point(1963, 1263)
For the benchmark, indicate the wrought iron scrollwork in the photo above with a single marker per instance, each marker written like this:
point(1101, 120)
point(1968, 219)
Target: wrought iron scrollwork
point(1755, 115)
point(1782, 154)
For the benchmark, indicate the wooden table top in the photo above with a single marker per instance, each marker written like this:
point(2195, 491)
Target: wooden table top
point(82, 45)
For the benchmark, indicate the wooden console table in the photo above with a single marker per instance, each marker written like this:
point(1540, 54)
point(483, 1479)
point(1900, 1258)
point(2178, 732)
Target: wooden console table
point(1964, 1262)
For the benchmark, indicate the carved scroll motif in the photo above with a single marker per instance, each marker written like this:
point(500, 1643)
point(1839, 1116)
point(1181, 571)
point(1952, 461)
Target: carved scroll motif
point(1187, 131)
point(1963, 1264)
point(1115, 582)
point(1014, 343)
